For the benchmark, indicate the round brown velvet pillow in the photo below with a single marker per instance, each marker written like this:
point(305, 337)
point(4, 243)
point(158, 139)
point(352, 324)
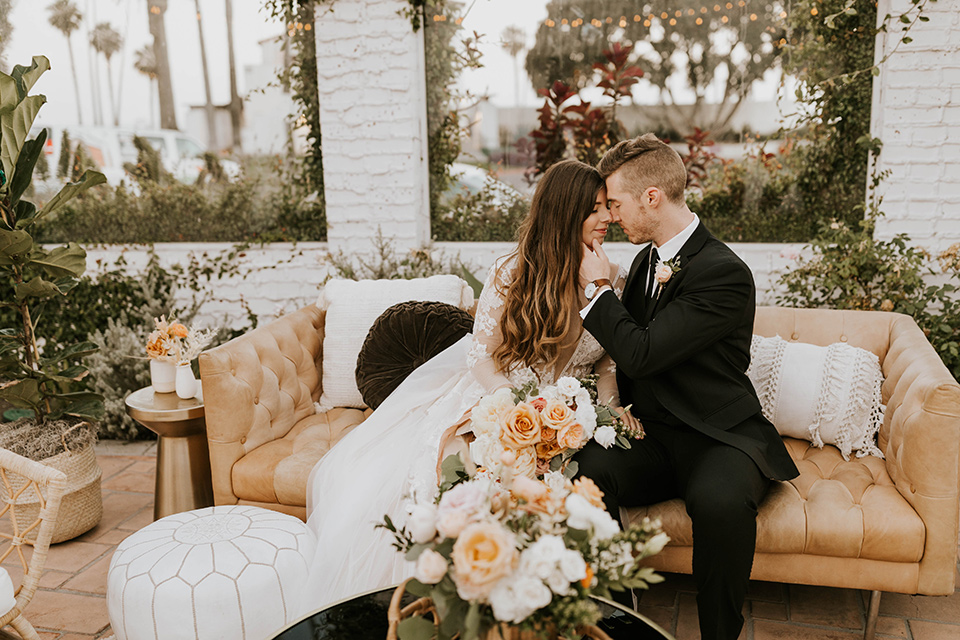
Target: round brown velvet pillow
point(404, 337)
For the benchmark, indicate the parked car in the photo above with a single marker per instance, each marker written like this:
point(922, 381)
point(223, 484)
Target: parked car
point(112, 147)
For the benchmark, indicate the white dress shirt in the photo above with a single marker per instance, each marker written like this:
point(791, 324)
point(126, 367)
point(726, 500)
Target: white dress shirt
point(668, 250)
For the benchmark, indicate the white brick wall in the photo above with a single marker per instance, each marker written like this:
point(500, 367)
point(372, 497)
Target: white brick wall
point(373, 114)
point(279, 278)
point(916, 113)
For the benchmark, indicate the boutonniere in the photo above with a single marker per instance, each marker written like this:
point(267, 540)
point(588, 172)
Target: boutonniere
point(665, 270)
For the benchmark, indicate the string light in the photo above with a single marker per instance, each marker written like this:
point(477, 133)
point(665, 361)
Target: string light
point(673, 22)
point(814, 11)
point(753, 17)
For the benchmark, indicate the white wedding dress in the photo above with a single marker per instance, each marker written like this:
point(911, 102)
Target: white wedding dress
point(393, 454)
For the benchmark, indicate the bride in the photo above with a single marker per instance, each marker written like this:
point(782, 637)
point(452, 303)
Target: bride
point(527, 327)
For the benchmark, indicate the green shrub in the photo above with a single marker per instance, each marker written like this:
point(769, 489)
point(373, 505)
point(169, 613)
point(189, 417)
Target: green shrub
point(478, 217)
point(849, 269)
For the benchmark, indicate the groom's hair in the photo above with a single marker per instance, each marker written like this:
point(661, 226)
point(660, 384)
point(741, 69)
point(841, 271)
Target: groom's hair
point(646, 162)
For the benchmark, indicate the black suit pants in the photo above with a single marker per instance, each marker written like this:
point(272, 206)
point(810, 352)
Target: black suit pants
point(722, 488)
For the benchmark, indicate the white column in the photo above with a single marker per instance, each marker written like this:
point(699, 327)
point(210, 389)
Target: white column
point(916, 113)
point(370, 69)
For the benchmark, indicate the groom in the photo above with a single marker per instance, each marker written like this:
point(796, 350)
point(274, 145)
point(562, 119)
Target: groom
point(681, 341)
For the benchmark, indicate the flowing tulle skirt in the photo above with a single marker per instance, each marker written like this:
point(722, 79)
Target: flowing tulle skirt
point(373, 470)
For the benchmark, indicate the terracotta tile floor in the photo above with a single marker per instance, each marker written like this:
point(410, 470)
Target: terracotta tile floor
point(71, 601)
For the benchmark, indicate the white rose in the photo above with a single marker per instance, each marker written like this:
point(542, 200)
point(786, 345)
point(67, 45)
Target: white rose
point(569, 386)
point(492, 408)
point(586, 415)
point(451, 523)
point(572, 566)
point(584, 516)
point(485, 451)
point(542, 557)
point(605, 436)
point(551, 393)
point(656, 544)
point(468, 496)
point(517, 596)
point(422, 522)
point(431, 567)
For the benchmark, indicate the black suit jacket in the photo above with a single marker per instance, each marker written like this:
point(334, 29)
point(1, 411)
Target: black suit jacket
point(687, 350)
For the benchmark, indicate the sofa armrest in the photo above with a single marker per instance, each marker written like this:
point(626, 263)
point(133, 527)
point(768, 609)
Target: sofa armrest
point(257, 387)
point(921, 441)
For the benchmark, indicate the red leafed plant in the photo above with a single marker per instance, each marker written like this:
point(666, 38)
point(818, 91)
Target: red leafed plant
point(572, 126)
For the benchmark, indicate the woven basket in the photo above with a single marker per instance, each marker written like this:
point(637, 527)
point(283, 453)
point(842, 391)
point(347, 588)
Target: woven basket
point(82, 505)
point(424, 606)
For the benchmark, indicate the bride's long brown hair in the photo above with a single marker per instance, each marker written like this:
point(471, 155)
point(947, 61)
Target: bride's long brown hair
point(541, 299)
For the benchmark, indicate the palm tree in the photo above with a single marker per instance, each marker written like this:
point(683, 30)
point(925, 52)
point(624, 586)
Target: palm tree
point(514, 40)
point(156, 9)
point(235, 104)
point(211, 120)
point(65, 18)
point(107, 41)
point(145, 62)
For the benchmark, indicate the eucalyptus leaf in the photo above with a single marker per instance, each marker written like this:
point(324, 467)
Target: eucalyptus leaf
point(415, 628)
point(417, 588)
point(471, 624)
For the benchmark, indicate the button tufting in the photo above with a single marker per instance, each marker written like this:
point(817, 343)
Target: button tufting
point(843, 338)
point(256, 400)
point(243, 439)
point(795, 336)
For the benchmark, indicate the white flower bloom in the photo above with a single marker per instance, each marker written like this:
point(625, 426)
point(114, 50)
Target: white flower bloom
point(431, 567)
point(605, 436)
point(573, 566)
point(586, 517)
point(569, 386)
point(451, 523)
point(541, 558)
point(486, 450)
point(656, 544)
point(586, 415)
point(422, 522)
point(555, 482)
point(517, 596)
point(551, 393)
point(488, 415)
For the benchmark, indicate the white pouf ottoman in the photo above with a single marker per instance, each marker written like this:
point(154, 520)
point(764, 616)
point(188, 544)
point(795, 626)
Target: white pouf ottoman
point(220, 572)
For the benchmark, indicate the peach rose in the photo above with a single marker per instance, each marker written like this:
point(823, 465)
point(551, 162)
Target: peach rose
point(521, 427)
point(570, 436)
point(663, 273)
point(484, 553)
point(178, 330)
point(526, 462)
point(528, 489)
point(547, 450)
point(557, 415)
point(538, 403)
point(587, 489)
point(155, 346)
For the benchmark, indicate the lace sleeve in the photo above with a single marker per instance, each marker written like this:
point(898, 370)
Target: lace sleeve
point(486, 330)
point(607, 392)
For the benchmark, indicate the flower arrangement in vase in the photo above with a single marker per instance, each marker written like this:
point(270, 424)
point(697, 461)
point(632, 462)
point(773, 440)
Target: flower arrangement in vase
point(171, 347)
point(517, 557)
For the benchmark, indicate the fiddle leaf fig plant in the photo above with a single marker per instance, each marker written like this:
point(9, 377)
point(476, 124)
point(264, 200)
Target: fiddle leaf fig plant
point(29, 379)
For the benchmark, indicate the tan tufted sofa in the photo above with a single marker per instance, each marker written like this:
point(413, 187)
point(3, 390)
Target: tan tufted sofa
point(880, 525)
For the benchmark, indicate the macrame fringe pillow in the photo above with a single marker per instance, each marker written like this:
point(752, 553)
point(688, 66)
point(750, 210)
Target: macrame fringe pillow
point(827, 395)
point(352, 306)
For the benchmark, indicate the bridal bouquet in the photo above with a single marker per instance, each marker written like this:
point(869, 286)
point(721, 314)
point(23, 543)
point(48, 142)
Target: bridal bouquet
point(174, 342)
point(492, 553)
point(544, 427)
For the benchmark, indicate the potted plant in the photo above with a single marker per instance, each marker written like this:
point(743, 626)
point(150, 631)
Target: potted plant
point(42, 378)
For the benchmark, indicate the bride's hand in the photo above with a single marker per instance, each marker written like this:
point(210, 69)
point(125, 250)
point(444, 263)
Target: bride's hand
point(633, 424)
point(595, 265)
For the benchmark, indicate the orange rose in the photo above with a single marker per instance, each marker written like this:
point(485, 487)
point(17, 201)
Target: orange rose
point(484, 553)
point(155, 346)
point(521, 427)
point(178, 330)
point(570, 436)
point(588, 490)
point(557, 415)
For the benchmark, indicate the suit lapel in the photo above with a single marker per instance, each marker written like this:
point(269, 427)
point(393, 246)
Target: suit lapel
point(689, 249)
point(636, 269)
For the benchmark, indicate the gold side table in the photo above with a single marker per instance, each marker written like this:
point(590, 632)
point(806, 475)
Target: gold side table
point(183, 458)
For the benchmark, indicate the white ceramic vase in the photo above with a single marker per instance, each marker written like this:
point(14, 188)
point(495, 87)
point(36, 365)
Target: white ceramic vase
point(163, 376)
point(186, 384)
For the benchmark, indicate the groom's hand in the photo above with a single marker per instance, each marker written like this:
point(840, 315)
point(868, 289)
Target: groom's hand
point(594, 265)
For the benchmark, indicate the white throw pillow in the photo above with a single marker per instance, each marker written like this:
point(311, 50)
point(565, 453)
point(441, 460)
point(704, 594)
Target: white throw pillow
point(352, 306)
point(7, 599)
point(822, 394)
